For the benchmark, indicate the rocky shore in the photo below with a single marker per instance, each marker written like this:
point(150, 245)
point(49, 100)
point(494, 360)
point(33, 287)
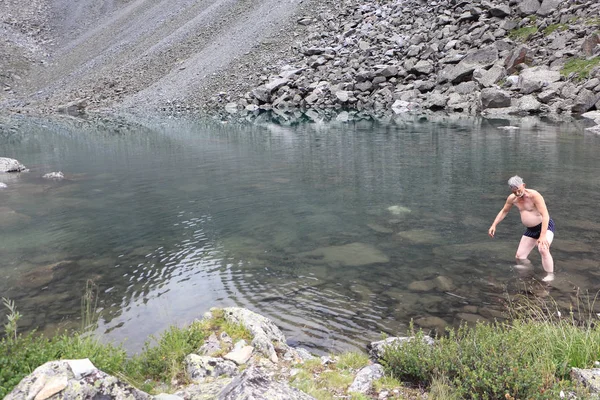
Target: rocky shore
point(518, 57)
point(266, 368)
point(515, 57)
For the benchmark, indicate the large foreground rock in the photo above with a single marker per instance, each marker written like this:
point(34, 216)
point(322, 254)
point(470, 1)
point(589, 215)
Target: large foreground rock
point(65, 380)
point(11, 165)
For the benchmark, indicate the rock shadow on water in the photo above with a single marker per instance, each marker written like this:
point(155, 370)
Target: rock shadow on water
point(421, 236)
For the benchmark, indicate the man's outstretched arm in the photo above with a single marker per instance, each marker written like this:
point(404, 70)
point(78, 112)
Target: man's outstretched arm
point(501, 215)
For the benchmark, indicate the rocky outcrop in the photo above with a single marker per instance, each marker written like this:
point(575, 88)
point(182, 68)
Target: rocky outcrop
point(258, 383)
point(372, 56)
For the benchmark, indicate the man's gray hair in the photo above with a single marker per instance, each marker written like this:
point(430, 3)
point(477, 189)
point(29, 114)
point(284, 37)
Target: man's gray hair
point(515, 182)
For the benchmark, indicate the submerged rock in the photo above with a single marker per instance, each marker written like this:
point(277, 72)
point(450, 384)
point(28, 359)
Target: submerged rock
point(349, 255)
point(54, 175)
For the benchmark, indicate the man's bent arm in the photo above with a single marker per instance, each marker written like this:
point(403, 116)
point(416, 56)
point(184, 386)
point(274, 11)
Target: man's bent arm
point(540, 204)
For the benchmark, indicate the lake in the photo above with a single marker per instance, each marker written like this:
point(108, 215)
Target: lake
point(340, 231)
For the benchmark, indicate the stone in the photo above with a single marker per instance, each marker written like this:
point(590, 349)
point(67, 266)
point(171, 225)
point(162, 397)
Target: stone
point(499, 10)
point(240, 356)
point(488, 78)
point(350, 255)
point(589, 44)
point(528, 7)
point(54, 377)
point(475, 59)
point(376, 349)
point(363, 382)
point(590, 378)
point(548, 7)
point(494, 98)
point(258, 383)
point(200, 367)
point(584, 101)
point(519, 55)
point(528, 104)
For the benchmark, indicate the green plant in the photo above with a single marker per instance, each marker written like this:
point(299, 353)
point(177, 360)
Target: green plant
point(555, 27)
point(89, 305)
point(11, 327)
point(523, 34)
point(581, 67)
point(352, 361)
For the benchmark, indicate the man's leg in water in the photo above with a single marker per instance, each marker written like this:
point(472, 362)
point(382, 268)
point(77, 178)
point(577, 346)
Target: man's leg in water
point(547, 260)
point(525, 246)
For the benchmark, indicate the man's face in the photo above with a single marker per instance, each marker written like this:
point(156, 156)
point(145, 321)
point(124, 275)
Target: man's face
point(519, 191)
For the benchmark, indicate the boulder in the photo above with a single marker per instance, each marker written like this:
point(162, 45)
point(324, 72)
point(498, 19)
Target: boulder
point(584, 101)
point(528, 7)
point(11, 165)
point(376, 349)
point(494, 98)
point(519, 55)
point(476, 59)
point(363, 382)
point(548, 7)
point(71, 379)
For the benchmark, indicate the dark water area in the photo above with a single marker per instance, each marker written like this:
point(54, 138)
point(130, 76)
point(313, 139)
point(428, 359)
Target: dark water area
point(338, 231)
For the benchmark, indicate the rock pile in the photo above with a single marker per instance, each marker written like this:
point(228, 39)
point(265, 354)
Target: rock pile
point(518, 57)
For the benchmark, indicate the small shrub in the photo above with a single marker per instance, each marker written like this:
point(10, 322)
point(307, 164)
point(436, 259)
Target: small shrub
point(525, 359)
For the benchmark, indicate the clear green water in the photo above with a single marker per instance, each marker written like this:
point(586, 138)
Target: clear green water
point(337, 231)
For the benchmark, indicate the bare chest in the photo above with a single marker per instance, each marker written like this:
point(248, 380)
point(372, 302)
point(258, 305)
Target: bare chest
point(525, 203)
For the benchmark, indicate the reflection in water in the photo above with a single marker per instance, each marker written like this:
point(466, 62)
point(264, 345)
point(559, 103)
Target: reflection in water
point(337, 231)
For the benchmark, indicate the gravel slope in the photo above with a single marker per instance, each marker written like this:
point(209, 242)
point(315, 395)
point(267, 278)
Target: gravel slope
point(141, 54)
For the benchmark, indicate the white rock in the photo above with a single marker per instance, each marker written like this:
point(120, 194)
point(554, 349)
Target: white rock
point(54, 175)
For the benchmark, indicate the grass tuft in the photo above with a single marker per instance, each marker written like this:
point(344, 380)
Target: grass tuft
point(581, 67)
point(523, 34)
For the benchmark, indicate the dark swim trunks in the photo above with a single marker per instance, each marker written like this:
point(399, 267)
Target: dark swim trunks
point(535, 231)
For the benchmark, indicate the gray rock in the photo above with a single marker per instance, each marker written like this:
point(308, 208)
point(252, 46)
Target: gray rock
point(266, 335)
point(528, 104)
point(200, 367)
point(584, 101)
point(11, 165)
point(547, 95)
point(256, 383)
point(275, 84)
point(165, 396)
point(363, 382)
point(55, 379)
point(590, 378)
point(210, 347)
point(548, 7)
point(463, 71)
point(3, 185)
point(536, 78)
point(499, 10)
point(589, 45)
point(240, 356)
point(528, 7)
point(487, 78)
point(494, 98)
point(519, 55)
point(376, 349)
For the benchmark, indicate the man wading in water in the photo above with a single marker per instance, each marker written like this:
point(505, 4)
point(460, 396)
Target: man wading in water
point(535, 217)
